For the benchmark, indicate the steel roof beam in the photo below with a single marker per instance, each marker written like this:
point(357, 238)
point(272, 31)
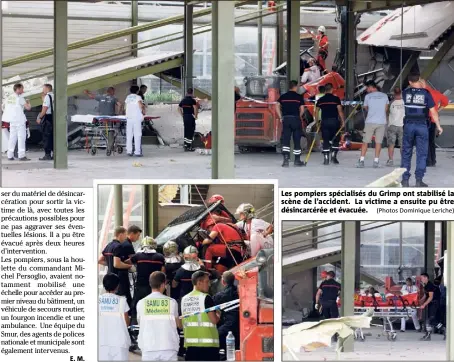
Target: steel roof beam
point(437, 59)
point(369, 6)
point(109, 36)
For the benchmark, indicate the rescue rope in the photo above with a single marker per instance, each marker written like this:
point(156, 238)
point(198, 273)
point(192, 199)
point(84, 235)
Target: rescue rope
point(209, 213)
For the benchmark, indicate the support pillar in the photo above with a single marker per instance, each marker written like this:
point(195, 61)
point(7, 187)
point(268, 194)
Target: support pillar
point(429, 248)
point(444, 237)
point(437, 59)
point(118, 205)
point(293, 48)
point(188, 46)
point(259, 41)
point(406, 69)
point(223, 73)
point(348, 259)
point(350, 46)
point(151, 204)
point(447, 279)
point(357, 255)
point(134, 22)
point(60, 84)
point(280, 37)
point(1, 80)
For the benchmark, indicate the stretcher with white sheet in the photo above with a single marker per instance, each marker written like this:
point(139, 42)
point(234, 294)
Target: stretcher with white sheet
point(389, 309)
point(107, 132)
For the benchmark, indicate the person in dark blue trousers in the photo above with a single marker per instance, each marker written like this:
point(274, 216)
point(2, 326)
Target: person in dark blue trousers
point(418, 104)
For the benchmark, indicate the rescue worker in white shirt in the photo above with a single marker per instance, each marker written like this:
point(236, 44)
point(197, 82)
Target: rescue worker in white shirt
point(257, 231)
point(135, 109)
point(147, 261)
point(312, 73)
point(201, 337)
point(158, 319)
point(395, 129)
point(45, 119)
point(173, 263)
point(15, 116)
point(113, 336)
point(407, 289)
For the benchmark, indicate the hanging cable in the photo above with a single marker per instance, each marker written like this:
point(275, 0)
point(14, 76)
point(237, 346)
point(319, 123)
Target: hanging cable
point(401, 43)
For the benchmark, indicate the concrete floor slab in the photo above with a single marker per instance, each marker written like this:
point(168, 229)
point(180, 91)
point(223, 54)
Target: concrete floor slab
point(173, 163)
point(377, 348)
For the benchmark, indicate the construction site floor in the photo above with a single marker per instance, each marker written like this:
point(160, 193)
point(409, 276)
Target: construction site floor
point(172, 163)
point(376, 347)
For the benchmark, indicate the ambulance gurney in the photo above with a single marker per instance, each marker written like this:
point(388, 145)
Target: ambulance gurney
point(390, 308)
point(309, 336)
point(108, 132)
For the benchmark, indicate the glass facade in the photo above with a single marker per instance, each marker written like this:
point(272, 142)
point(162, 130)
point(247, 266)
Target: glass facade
point(246, 57)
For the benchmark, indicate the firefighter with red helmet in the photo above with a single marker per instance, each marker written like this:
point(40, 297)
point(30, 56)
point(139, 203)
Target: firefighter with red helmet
point(223, 245)
point(216, 216)
point(323, 44)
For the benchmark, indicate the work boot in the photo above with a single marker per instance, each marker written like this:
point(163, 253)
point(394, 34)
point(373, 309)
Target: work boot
point(298, 162)
point(326, 159)
point(286, 161)
point(334, 158)
point(405, 183)
point(10, 158)
point(189, 149)
point(24, 159)
point(46, 158)
point(420, 183)
point(426, 337)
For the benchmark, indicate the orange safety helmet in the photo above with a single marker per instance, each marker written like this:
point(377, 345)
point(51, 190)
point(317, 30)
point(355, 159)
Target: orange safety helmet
point(216, 198)
point(324, 274)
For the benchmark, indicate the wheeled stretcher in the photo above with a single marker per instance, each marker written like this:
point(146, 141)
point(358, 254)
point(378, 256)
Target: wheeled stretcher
point(390, 309)
point(107, 132)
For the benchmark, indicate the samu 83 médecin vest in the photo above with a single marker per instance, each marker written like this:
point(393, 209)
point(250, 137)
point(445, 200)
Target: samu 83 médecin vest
point(198, 329)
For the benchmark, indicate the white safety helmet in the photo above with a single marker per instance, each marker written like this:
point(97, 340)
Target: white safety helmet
point(247, 209)
point(170, 249)
point(149, 243)
point(190, 254)
point(321, 29)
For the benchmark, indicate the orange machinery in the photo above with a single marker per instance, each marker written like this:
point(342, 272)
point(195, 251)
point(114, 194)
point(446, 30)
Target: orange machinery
point(256, 118)
point(256, 294)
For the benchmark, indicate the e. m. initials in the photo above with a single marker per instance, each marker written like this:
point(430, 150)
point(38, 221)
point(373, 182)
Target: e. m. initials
point(77, 358)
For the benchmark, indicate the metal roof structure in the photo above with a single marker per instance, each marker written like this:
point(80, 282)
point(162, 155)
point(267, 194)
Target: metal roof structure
point(112, 73)
point(424, 27)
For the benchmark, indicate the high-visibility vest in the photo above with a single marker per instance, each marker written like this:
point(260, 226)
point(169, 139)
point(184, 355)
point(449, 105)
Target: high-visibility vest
point(155, 314)
point(198, 329)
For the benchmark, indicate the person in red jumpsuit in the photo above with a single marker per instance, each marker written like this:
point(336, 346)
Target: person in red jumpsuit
point(440, 101)
point(323, 44)
point(224, 241)
point(215, 217)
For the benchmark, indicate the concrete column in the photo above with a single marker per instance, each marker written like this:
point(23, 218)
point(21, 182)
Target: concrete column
point(151, 209)
point(184, 194)
point(134, 22)
point(429, 248)
point(223, 70)
point(350, 53)
point(259, 41)
point(448, 278)
point(293, 40)
point(1, 80)
point(118, 205)
point(60, 84)
point(280, 36)
point(188, 46)
point(293, 48)
point(444, 237)
point(348, 259)
point(357, 255)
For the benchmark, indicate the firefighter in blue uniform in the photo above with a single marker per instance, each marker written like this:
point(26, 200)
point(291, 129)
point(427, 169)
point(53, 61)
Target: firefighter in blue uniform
point(418, 104)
